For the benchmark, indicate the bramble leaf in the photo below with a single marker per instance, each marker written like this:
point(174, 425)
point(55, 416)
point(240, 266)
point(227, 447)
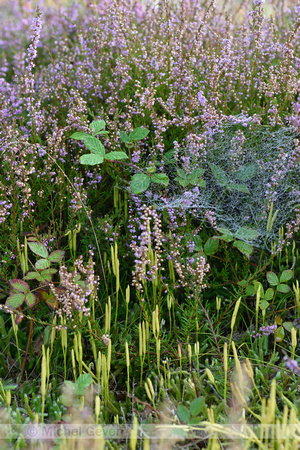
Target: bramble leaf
point(211, 246)
point(243, 247)
point(160, 178)
point(219, 175)
point(183, 413)
point(124, 137)
point(138, 133)
point(139, 183)
point(30, 299)
point(56, 256)
point(286, 275)
point(19, 285)
point(79, 135)
point(42, 264)
point(91, 159)
point(246, 172)
point(39, 249)
point(245, 233)
point(197, 406)
point(94, 145)
point(97, 125)
point(283, 288)
point(15, 300)
point(115, 156)
point(272, 278)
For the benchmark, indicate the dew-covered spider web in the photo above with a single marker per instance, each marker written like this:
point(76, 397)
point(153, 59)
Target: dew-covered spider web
point(246, 170)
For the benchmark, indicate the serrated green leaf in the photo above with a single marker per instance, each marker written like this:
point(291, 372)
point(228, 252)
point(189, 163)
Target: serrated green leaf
point(258, 285)
point(79, 135)
point(169, 157)
point(15, 300)
point(283, 288)
point(56, 256)
point(91, 159)
point(139, 183)
point(263, 304)
point(219, 175)
point(211, 246)
point(183, 413)
point(247, 234)
point(94, 145)
point(138, 133)
point(279, 334)
point(32, 276)
point(250, 290)
point(269, 294)
point(42, 264)
point(48, 271)
point(19, 285)
point(272, 278)
point(238, 187)
point(182, 181)
point(197, 406)
point(286, 275)
point(225, 231)
point(83, 382)
point(160, 178)
point(124, 137)
point(195, 175)
point(181, 173)
point(198, 243)
point(246, 172)
point(30, 299)
point(201, 183)
point(288, 326)
point(39, 249)
point(244, 248)
point(115, 156)
point(97, 125)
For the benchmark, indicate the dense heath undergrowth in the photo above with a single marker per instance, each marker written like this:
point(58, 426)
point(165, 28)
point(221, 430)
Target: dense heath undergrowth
point(149, 214)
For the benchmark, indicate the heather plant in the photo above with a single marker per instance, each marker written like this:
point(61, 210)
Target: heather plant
point(154, 280)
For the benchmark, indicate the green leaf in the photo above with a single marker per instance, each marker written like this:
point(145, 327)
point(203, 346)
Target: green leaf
point(224, 237)
point(91, 159)
point(219, 175)
point(183, 413)
point(83, 382)
point(225, 231)
point(182, 181)
point(201, 183)
point(97, 125)
point(19, 285)
point(238, 187)
point(244, 248)
point(56, 256)
point(272, 278)
point(198, 243)
point(30, 299)
point(139, 183)
point(286, 275)
point(245, 233)
point(94, 145)
point(115, 156)
point(32, 276)
point(246, 172)
point(39, 249)
point(15, 300)
point(279, 334)
point(211, 246)
point(283, 288)
point(250, 290)
point(42, 264)
point(48, 271)
point(288, 326)
point(194, 177)
point(257, 284)
point(181, 173)
point(263, 304)
point(138, 133)
point(269, 294)
point(124, 137)
point(160, 178)
point(169, 157)
point(79, 135)
point(197, 406)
